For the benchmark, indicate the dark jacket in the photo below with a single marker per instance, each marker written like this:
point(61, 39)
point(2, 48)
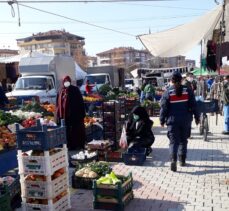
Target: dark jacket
point(75, 108)
point(178, 109)
point(226, 93)
point(143, 132)
point(3, 98)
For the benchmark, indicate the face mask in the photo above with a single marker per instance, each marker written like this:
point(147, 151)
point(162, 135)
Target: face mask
point(67, 84)
point(191, 79)
point(136, 117)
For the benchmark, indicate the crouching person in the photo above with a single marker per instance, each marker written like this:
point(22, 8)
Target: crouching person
point(139, 130)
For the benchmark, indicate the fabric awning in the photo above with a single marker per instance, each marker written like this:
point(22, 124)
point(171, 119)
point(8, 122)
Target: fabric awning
point(179, 40)
point(203, 72)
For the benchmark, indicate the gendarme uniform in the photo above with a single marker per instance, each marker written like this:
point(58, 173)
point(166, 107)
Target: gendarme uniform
point(177, 113)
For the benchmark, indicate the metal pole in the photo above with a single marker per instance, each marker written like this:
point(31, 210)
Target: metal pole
point(222, 34)
point(201, 49)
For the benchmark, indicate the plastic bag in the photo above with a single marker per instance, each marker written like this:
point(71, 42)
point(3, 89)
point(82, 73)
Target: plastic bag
point(123, 140)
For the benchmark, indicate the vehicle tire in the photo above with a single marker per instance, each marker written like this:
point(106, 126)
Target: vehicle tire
point(206, 129)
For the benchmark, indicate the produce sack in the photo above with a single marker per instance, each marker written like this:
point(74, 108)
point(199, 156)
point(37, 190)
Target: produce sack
point(123, 140)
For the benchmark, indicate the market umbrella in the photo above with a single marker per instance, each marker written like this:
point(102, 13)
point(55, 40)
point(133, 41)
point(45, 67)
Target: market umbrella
point(204, 72)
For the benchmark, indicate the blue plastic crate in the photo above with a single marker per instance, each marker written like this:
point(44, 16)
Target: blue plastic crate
point(40, 137)
point(8, 160)
point(134, 156)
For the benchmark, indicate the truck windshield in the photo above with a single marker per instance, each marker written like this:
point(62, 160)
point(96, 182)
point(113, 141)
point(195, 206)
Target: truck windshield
point(31, 83)
point(129, 82)
point(99, 79)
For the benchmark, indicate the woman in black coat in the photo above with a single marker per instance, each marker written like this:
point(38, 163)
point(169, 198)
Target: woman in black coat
point(139, 129)
point(70, 107)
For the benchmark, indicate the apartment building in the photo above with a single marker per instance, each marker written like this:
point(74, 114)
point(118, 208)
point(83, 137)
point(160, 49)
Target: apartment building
point(55, 42)
point(7, 53)
point(122, 57)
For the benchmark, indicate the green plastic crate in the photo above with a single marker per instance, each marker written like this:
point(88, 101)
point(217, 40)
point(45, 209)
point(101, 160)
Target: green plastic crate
point(113, 204)
point(117, 191)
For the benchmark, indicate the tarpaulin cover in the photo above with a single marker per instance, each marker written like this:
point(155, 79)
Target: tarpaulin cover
point(181, 39)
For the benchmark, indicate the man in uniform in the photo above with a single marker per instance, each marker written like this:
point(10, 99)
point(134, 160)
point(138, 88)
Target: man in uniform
point(178, 105)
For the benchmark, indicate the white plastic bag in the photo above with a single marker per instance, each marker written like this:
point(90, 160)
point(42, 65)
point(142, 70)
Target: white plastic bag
point(123, 140)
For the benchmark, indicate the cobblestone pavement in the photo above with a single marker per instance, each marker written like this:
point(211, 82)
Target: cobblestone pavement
point(201, 186)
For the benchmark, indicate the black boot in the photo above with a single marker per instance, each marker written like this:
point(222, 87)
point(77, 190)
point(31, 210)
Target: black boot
point(173, 165)
point(182, 159)
point(148, 151)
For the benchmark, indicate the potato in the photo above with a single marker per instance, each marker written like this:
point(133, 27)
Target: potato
point(87, 171)
point(92, 174)
point(79, 174)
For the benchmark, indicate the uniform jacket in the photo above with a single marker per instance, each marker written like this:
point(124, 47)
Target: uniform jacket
point(177, 109)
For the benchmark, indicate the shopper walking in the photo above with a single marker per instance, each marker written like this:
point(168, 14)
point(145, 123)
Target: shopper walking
point(178, 105)
point(190, 82)
point(142, 96)
point(70, 107)
point(226, 105)
point(201, 89)
point(149, 91)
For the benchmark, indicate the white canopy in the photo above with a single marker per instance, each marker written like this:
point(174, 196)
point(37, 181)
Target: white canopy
point(179, 40)
point(134, 73)
point(17, 58)
point(80, 74)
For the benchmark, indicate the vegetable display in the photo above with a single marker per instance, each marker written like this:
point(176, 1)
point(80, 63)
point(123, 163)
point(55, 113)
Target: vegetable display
point(22, 115)
point(108, 179)
point(7, 118)
point(101, 168)
point(36, 107)
point(49, 107)
point(7, 139)
point(82, 155)
point(86, 172)
point(89, 120)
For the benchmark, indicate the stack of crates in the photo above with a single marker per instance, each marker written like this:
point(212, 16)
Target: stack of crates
point(113, 197)
point(112, 126)
point(43, 168)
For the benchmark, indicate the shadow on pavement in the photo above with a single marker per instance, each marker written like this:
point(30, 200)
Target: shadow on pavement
point(140, 204)
point(208, 171)
point(158, 158)
point(136, 184)
point(161, 155)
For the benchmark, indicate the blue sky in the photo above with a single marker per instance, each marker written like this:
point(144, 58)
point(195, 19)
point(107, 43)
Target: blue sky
point(134, 18)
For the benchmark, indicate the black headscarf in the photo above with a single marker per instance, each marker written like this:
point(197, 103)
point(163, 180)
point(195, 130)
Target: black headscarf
point(176, 80)
point(142, 113)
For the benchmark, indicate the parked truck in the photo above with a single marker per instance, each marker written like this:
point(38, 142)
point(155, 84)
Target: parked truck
point(133, 83)
point(41, 77)
point(101, 75)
